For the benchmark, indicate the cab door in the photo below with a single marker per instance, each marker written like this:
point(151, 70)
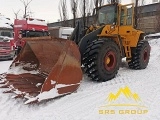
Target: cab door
point(126, 15)
point(126, 25)
point(126, 22)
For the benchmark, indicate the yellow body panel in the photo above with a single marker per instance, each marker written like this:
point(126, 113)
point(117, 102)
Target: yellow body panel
point(126, 33)
point(123, 29)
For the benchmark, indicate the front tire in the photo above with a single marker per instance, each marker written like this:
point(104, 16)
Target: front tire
point(102, 60)
point(141, 56)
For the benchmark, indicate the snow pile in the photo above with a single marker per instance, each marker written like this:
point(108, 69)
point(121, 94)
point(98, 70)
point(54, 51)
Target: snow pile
point(20, 68)
point(51, 93)
point(36, 22)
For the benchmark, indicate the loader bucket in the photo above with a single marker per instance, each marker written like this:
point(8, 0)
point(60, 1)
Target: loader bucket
point(45, 68)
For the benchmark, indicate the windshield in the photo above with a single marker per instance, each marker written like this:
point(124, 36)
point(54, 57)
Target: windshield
point(107, 14)
point(34, 33)
point(6, 33)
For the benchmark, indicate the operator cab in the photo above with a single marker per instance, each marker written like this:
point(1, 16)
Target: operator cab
point(109, 15)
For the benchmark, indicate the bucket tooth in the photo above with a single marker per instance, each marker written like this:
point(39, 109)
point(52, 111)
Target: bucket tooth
point(2, 76)
point(19, 96)
point(31, 101)
point(2, 82)
point(4, 86)
point(8, 91)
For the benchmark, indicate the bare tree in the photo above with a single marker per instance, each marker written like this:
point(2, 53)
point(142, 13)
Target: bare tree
point(86, 8)
point(26, 4)
point(16, 13)
point(74, 7)
point(113, 1)
point(63, 12)
point(136, 14)
point(82, 8)
point(30, 13)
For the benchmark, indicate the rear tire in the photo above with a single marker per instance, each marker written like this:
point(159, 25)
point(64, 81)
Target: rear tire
point(141, 56)
point(102, 60)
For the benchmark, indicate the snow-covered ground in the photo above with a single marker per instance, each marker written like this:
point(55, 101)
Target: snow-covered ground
point(87, 102)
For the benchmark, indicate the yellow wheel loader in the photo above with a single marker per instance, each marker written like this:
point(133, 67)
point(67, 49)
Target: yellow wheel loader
point(48, 67)
point(114, 37)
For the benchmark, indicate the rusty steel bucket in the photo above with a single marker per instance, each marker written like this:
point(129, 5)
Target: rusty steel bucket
point(45, 68)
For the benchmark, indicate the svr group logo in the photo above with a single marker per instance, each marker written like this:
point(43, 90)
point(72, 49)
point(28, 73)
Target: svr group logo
point(123, 102)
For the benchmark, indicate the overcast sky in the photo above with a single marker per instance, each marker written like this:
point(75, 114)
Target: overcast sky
point(42, 9)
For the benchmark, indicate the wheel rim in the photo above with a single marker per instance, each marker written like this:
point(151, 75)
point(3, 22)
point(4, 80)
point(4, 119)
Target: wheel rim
point(110, 61)
point(145, 55)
